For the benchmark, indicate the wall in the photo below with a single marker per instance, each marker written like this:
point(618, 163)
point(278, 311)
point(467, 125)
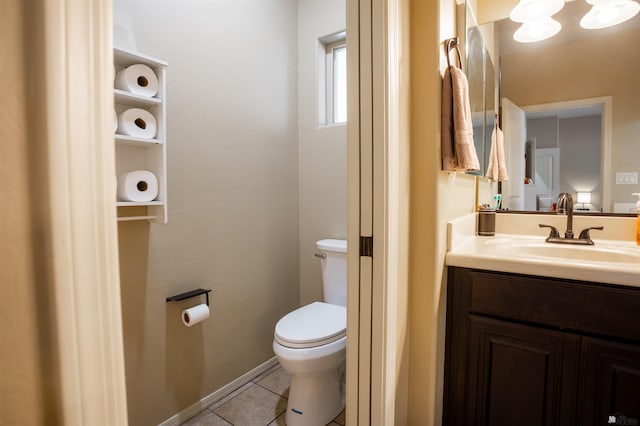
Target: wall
point(545, 130)
point(233, 204)
point(322, 150)
point(579, 140)
point(580, 146)
point(436, 197)
point(24, 319)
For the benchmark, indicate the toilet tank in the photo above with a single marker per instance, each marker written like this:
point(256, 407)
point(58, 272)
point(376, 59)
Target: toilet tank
point(334, 270)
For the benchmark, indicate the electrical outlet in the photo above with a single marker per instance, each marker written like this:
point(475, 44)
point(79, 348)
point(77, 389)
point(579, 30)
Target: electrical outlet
point(627, 178)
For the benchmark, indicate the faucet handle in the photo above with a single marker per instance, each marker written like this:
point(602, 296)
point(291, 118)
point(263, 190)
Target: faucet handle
point(584, 234)
point(554, 231)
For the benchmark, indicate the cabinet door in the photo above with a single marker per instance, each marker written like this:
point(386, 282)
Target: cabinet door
point(610, 383)
point(521, 375)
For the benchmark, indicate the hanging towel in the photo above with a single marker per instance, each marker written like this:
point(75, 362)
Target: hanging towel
point(497, 170)
point(458, 148)
point(449, 162)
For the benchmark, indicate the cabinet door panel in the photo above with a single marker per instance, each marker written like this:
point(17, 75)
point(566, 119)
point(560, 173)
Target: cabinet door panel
point(520, 375)
point(610, 385)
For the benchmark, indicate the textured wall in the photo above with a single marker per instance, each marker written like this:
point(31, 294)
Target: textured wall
point(232, 191)
point(29, 383)
point(322, 149)
point(436, 197)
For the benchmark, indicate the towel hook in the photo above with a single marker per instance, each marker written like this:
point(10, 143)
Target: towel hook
point(448, 45)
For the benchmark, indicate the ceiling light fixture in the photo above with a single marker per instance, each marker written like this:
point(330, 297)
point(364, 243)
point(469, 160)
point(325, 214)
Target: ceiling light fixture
point(527, 10)
point(537, 30)
point(606, 13)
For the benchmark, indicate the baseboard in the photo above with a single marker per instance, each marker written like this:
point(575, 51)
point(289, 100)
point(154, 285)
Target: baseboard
point(208, 400)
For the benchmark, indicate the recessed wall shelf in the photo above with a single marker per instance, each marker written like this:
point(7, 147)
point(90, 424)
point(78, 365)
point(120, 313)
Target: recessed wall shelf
point(133, 153)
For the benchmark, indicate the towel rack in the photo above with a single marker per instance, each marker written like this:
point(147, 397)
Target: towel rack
point(449, 44)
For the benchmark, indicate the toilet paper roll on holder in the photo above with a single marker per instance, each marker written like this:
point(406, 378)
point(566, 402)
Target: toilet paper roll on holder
point(189, 294)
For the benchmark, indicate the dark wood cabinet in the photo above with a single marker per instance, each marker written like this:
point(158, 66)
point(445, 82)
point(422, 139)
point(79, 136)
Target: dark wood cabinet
point(523, 350)
point(610, 384)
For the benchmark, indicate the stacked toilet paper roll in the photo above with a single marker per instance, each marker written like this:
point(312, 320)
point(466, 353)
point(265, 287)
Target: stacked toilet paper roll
point(138, 186)
point(137, 122)
point(195, 315)
point(138, 79)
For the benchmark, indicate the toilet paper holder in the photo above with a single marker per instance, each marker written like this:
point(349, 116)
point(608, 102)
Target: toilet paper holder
point(189, 294)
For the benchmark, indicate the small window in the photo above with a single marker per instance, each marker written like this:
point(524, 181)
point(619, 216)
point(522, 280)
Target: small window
point(333, 79)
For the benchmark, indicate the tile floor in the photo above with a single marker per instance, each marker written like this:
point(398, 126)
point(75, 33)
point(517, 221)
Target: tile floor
point(261, 402)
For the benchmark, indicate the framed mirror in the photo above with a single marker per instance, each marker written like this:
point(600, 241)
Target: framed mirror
point(479, 70)
point(571, 113)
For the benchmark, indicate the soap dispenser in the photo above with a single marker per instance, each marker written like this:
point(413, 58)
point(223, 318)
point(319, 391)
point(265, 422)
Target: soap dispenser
point(637, 219)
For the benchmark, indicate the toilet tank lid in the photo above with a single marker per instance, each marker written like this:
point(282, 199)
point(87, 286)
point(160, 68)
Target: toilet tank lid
point(339, 246)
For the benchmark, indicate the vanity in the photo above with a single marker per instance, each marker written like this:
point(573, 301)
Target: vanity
point(539, 335)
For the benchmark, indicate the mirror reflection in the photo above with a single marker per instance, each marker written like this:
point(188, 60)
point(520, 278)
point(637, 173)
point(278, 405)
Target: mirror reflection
point(570, 113)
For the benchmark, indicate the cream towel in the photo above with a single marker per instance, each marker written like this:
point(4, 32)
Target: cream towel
point(497, 170)
point(458, 148)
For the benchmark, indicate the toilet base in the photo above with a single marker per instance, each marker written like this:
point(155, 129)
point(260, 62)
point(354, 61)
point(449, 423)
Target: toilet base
point(316, 399)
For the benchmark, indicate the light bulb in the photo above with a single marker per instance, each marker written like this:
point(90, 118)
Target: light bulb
point(608, 13)
point(528, 10)
point(540, 29)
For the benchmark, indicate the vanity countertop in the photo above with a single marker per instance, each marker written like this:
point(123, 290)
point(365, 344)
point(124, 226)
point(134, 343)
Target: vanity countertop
point(608, 261)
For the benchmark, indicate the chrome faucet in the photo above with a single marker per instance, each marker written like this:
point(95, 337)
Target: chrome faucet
point(565, 206)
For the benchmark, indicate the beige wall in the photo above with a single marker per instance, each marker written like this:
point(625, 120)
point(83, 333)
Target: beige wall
point(436, 197)
point(494, 10)
point(28, 365)
point(322, 150)
point(232, 191)
point(20, 380)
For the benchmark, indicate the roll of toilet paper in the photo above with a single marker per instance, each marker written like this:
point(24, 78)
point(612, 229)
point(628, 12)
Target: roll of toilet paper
point(137, 122)
point(195, 315)
point(138, 185)
point(115, 121)
point(138, 79)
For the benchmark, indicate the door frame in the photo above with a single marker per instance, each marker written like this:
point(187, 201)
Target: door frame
point(79, 53)
point(378, 184)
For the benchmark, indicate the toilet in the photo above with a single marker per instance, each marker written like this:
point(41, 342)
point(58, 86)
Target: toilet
point(310, 343)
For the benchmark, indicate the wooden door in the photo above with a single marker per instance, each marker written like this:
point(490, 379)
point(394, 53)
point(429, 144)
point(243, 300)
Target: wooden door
point(520, 375)
point(514, 127)
point(610, 383)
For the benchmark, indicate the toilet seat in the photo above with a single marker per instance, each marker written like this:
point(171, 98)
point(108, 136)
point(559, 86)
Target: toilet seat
point(312, 325)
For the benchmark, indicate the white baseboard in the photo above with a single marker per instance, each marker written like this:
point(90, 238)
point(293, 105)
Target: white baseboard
point(208, 400)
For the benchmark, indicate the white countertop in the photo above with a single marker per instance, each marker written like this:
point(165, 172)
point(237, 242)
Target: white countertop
point(528, 254)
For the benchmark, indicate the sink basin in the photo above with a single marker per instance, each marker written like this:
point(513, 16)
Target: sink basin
point(525, 252)
point(601, 252)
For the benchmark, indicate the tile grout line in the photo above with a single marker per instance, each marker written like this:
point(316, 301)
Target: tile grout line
point(281, 396)
point(275, 393)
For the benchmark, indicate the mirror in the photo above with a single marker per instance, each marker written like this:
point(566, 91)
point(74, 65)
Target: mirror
point(479, 70)
point(579, 93)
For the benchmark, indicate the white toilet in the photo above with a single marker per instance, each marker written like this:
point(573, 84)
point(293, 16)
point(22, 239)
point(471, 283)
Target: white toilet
point(310, 343)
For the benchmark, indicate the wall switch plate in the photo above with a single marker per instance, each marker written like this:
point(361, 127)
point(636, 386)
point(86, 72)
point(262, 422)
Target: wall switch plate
point(627, 178)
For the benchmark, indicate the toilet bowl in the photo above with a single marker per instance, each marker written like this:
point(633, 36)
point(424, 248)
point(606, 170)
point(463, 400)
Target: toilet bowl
point(310, 343)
